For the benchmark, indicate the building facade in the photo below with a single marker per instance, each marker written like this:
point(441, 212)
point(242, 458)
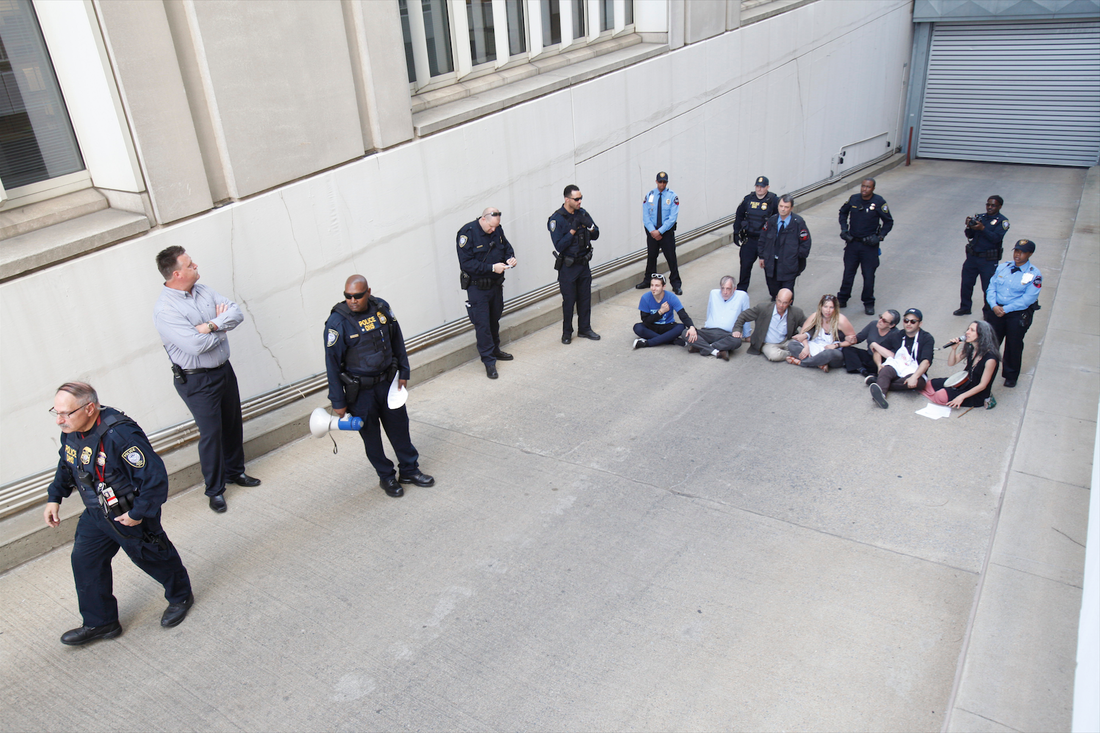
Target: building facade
point(289, 144)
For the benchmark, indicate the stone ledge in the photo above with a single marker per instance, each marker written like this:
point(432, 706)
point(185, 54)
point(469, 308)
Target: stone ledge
point(65, 240)
point(554, 73)
point(47, 213)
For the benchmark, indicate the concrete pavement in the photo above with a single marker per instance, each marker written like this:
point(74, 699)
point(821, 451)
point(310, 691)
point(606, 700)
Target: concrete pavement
point(643, 540)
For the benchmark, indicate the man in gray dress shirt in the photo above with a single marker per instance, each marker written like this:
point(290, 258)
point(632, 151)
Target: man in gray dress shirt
point(193, 321)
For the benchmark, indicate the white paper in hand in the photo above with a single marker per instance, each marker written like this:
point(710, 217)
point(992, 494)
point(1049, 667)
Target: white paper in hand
point(397, 396)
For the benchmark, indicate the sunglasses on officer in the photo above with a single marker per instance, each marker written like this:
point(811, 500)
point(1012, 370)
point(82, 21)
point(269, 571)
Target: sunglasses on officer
point(355, 296)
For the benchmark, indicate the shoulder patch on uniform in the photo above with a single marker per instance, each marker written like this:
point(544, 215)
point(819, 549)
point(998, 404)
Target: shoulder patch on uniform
point(553, 224)
point(1038, 281)
point(1005, 222)
point(462, 240)
point(86, 455)
point(676, 201)
point(134, 457)
point(331, 337)
point(886, 208)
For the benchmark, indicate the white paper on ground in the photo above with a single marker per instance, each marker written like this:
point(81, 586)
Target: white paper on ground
point(935, 411)
point(397, 396)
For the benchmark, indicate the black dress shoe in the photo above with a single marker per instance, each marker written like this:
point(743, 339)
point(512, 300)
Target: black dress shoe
point(642, 286)
point(962, 312)
point(677, 290)
point(419, 478)
point(1010, 383)
point(176, 612)
point(841, 303)
point(84, 634)
point(391, 487)
point(566, 338)
point(502, 355)
point(491, 371)
point(590, 335)
point(243, 480)
point(869, 310)
point(217, 503)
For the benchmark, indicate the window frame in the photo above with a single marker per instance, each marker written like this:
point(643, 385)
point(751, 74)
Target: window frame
point(462, 55)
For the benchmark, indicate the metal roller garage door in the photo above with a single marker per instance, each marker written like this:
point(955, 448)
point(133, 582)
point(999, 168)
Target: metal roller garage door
point(1013, 93)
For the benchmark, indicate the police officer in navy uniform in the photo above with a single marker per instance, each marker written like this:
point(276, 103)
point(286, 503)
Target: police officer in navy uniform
point(984, 248)
point(484, 253)
point(865, 221)
point(364, 351)
point(1010, 304)
point(108, 459)
point(572, 231)
point(753, 211)
point(784, 246)
point(660, 208)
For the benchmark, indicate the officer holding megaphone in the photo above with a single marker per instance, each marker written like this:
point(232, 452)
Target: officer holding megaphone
point(364, 355)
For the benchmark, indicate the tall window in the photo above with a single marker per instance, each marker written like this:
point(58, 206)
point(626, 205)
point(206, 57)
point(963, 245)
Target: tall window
point(447, 39)
point(37, 142)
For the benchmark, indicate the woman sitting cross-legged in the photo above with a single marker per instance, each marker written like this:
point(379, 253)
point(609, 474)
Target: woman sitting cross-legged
point(982, 358)
point(658, 325)
point(825, 332)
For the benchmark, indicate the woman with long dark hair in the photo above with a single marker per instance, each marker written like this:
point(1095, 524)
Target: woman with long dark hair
point(981, 356)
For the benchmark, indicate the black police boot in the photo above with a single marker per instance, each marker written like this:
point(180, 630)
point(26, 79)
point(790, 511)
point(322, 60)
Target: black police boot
point(589, 334)
point(642, 286)
point(566, 338)
point(176, 612)
point(491, 371)
point(502, 355)
point(417, 477)
point(84, 634)
point(962, 312)
point(217, 503)
point(391, 487)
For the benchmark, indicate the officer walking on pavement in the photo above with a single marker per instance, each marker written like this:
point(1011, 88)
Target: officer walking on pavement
point(865, 221)
point(106, 457)
point(984, 248)
point(752, 212)
point(364, 351)
point(1011, 302)
point(660, 208)
point(572, 231)
point(193, 322)
point(484, 253)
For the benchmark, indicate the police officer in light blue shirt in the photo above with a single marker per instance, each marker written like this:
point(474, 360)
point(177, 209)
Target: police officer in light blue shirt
point(1011, 301)
point(660, 208)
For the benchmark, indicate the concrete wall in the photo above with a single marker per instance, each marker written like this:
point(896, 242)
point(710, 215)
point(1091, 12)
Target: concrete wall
point(770, 98)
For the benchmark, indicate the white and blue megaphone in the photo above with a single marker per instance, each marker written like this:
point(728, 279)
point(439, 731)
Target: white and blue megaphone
point(320, 423)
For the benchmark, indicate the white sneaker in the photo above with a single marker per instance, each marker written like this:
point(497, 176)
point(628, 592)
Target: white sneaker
point(638, 343)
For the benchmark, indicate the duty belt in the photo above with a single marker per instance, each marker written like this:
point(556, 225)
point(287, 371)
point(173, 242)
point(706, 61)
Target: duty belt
point(203, 371)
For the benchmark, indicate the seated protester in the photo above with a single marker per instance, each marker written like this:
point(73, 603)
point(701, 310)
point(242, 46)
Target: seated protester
point(773, 325)
point(860, 361)
point(820, 339)
point(982, 359)
point(716, 335)
point(902, 358)
point(658, 325)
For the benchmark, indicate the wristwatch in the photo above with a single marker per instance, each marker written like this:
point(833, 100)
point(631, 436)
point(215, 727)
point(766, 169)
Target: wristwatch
point(212, 326)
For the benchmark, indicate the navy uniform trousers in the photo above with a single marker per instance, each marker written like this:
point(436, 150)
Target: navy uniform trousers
point(484, 307)
point(97, 542)
point(859, 256)
point(666, 245)
point(371, 405)
point(1010, 329)
point(215, 403)
point(575, 284)
point(975, 268)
